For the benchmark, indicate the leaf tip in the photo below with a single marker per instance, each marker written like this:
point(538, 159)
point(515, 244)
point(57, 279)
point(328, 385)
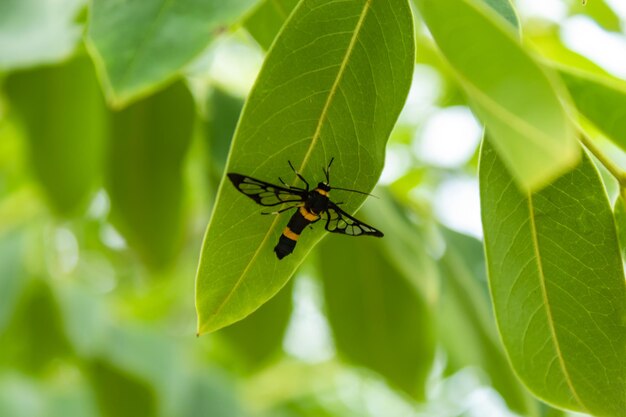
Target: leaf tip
point(208, 326)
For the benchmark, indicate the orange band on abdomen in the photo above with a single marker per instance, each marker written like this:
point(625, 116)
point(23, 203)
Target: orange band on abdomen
point(308, 215)
point(289, 234)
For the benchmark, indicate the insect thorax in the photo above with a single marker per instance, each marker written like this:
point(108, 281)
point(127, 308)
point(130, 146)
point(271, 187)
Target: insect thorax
point(316, 202)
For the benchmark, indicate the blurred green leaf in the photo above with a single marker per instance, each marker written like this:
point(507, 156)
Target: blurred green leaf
point(602, 101)
point(206, 395)
point(547, 41)
point(619, 211)
point(150, 359)
point(467, 328)
point(120, 394)
point(323, 92)
point(267, 18)
point(515, 98)
point(139, 46)
point(259, 337)
point(599, 11)
point(84, 318)
point(35, 337)
point(379, 320)
point(148, 144)
point(308, 406)
point(12, 275)
point(223, 111)
point(145, 352)
point(34, 32)
point(20, 397)
point(64, 120)
point(69, 397)
point(505, 9)
point(558, 286)
point(406, 244)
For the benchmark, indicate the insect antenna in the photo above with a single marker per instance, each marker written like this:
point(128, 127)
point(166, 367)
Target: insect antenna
point(355, 191)
point(327, 170)
point(298, 174)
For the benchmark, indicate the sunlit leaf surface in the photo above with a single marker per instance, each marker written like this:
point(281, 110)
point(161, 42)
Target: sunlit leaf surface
point(536, 141)
point(332, 86)
point(557, 285)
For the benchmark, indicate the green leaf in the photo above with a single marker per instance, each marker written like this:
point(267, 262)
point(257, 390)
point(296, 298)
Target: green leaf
point(140, 45)
point(557, 285)
point(119, 393)
point(549, 45)
point(69, 399)
point(465, 315)
point(332, 86)
point(34, 32)
point(83, 315)
point(379, 319)
point(599, 11)
point(149, 360)
point(266, 20)
point(50, 396)
point(601, 101)
point(64, 121)
point(223, 111)
point(207, 394)
point(515, 98)
point(14, 389)
point(148, 144)
point(505, 9)
point(37, 318)
point(406, 243)
point(12, 275)
point(259, 337)
point(619, 211)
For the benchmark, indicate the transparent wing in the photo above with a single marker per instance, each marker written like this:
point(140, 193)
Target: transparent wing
point(264, 193)
point(338, 221)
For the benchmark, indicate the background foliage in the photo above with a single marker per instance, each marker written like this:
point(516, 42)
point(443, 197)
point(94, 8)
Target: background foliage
point(116, 122)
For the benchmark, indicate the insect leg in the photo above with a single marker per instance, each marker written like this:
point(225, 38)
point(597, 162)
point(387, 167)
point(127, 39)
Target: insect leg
point(279, 211)
point(290, 186)
point(299, 176)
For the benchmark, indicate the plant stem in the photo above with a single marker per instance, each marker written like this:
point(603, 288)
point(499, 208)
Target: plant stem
point(617, 172)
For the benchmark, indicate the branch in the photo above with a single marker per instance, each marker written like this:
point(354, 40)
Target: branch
point(616, 171)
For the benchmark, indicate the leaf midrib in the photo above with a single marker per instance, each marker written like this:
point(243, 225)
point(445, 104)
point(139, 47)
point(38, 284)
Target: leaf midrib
point(546, 303)
point(314, 140)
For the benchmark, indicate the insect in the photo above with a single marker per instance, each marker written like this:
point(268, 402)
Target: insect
point(312, 205)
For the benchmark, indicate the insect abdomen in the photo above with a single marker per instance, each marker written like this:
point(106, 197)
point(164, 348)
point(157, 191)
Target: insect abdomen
point(287, 241)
